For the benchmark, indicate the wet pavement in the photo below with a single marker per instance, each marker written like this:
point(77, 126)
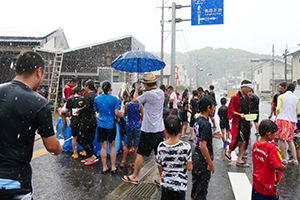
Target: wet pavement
point(61, 177)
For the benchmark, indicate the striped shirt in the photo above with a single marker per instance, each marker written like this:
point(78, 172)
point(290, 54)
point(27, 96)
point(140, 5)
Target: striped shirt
point(173, 159)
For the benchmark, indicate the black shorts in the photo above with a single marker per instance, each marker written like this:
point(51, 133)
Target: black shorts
point(257, 119)
point(184, 117)
point(172, 195)
point(200, 176)
point(103, 134)
point(192, 122)
point(75, 125)
point(149, 142)
point(224, 125)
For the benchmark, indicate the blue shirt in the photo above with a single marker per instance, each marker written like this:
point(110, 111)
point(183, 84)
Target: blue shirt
point(106, 105)
point(133, 115)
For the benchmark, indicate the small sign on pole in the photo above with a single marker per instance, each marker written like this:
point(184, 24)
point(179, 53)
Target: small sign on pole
point(207, 12)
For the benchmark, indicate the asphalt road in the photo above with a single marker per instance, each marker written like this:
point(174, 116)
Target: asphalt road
point(61, 177)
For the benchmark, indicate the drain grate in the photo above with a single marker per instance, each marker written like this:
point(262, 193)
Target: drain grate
point(142, 190)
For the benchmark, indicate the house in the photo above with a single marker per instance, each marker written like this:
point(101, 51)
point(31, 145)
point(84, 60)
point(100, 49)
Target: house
point(296, 68)
point(262, 75)
point(86, 62)
point(93, 61)
point(14, 41)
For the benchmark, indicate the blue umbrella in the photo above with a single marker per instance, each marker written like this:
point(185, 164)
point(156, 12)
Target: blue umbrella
point(138, 61)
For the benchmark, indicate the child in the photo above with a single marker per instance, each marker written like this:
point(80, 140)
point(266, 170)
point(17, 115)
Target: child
point(224, 122)
point(194, 105)
point(267, 164)
point(134, 112)
point(63, 117)
point(183, 111)
point(203, 155)
point(173, 158)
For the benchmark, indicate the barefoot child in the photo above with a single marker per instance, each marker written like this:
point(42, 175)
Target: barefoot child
point(224, 122)
point(203, 156)
point(267, 163)
point(173, 158)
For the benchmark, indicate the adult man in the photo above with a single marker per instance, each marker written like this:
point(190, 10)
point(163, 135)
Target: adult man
point(173, 97)
point(288, 107)
point(213, 96)
point(22, 112)
point(239, 105)
point(152, 131)
point(68, 89)
point(281, 90)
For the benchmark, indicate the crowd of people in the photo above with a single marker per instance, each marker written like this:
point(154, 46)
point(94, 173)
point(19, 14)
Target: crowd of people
point(153, 119)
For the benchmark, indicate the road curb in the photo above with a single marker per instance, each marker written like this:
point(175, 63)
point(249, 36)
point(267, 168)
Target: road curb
point(124, 188)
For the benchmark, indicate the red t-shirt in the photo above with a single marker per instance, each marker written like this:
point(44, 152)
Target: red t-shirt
point(68, 91)
point(266, 159)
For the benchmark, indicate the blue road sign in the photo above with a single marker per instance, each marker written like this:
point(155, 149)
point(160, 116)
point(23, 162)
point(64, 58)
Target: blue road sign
point(207, 12)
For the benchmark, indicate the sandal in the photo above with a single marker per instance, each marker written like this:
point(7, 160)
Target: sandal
point(104, 172)
point(228, 158)
point(131, 165)
point(128, 180)
point(75, 156)
point(82, 153)
point(87, 163)
point(284, 161)
point(295, 162)
point(156, 183)
point(242, 164)
point(114, 171)
point(122, 164)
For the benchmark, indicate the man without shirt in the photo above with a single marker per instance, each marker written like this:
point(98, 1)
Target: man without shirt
point(22, 112)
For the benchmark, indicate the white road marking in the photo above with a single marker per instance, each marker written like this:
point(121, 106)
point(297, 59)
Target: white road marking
point(241, 185)
point(233, 156)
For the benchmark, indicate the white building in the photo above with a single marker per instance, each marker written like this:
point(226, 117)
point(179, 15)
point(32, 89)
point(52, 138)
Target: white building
point(262, 75)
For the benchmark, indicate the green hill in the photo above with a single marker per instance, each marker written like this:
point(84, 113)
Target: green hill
point(218, 61)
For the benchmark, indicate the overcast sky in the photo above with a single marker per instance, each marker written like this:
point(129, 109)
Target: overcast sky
point(249, 25)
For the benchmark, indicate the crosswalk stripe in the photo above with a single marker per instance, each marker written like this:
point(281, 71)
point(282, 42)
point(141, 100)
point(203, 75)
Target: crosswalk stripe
point(241, 185)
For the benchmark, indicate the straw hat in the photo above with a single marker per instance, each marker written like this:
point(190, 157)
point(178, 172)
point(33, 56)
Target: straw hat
point(149, 78)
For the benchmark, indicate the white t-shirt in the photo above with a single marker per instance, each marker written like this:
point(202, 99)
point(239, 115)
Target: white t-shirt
point(153, 102)
point(174, 96)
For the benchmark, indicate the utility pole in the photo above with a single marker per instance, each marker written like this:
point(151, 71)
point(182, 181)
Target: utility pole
point(285, 64)
point(173, 51)
point(173, 39)
point(162, 43)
